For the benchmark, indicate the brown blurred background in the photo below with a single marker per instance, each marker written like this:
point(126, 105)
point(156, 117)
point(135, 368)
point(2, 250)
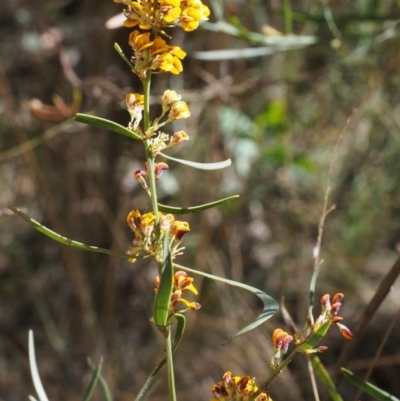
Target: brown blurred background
point(277, 111)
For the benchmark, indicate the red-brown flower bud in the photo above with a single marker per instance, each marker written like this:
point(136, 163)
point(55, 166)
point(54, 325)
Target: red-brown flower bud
point(325, 302)
point(337, 297)
point(335, 308)
point(345, 331)
point(159, 169)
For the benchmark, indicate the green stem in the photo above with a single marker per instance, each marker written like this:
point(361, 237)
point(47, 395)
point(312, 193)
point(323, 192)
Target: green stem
point(170, 365)
point(146, 94)
point(288, 17)
point(150, 156)
point(149, 153)
point(278, 370)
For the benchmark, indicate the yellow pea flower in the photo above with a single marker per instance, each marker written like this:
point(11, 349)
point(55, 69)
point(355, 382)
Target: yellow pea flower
point(178, 110)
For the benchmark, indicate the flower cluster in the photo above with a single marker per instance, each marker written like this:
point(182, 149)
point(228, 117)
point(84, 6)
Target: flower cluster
point(329, 311)
point(154, 55)
point(188, 13)
point(181, 283)
point(172, 109)
point(315, 332)
point(280, 341)
point(141, 176)
point(146, 239)
point(236, 388)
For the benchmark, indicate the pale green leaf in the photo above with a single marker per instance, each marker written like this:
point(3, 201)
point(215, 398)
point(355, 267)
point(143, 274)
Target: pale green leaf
point(93, 382)
point(163, 296)
point(325, 378)
point(312, 291)
point(270, 306)
point(64, 240)
point(194, 209)
point(37, 383)
point(200, 166)
point(367, 387)
point(106, 124)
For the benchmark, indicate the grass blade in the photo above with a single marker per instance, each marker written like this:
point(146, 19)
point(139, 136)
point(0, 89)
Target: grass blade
point(105, 390)
point(93, 382)
point(312, 291)
point(325, 378)
point(37, 383)
point(368, 387)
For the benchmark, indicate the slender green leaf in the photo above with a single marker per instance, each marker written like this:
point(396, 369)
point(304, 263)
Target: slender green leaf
point(312, 291)
point(325, 378)
point(105, 391)
point(163, 296)
point(106, 124)
point(277, 42)
point(200, 166)
point(367, 387)
point(313, 339)
point(194, 209)
point(180, 328)
point(93, 382)
point(64, 240)
point(37, 383)
point(122, 54)
point(270, 305)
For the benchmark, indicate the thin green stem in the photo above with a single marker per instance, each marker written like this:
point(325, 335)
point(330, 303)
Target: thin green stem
point(146, 111)
point(170, 366)
point(288, 17)
point(151, 178)
point(149, 153)
point(278, 370)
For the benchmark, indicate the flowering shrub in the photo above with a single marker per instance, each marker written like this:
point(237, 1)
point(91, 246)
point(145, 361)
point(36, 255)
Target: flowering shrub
point(158, 235)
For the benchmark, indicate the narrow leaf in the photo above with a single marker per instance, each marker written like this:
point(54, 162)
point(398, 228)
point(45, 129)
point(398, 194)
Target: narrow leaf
point(325, 378)
point(270, 305)
point(93, 381)
point(37, 383)
point(313, 339)
point(201, 166)
point(106, 124)
point(180, 328)
point(64, 240)
point(121, 53)
point(194, 209)
point(163, 296)
point(312, 291)
point(105, 391)
point(367, 387)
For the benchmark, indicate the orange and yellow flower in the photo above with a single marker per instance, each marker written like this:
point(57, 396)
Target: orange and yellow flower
point(238, 388)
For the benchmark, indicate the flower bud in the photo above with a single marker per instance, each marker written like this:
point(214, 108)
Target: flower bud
point(178, 137)
point(345, 331)
point(159, 169)
point(337, 297)
point(169, 97)
point(179, 110)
